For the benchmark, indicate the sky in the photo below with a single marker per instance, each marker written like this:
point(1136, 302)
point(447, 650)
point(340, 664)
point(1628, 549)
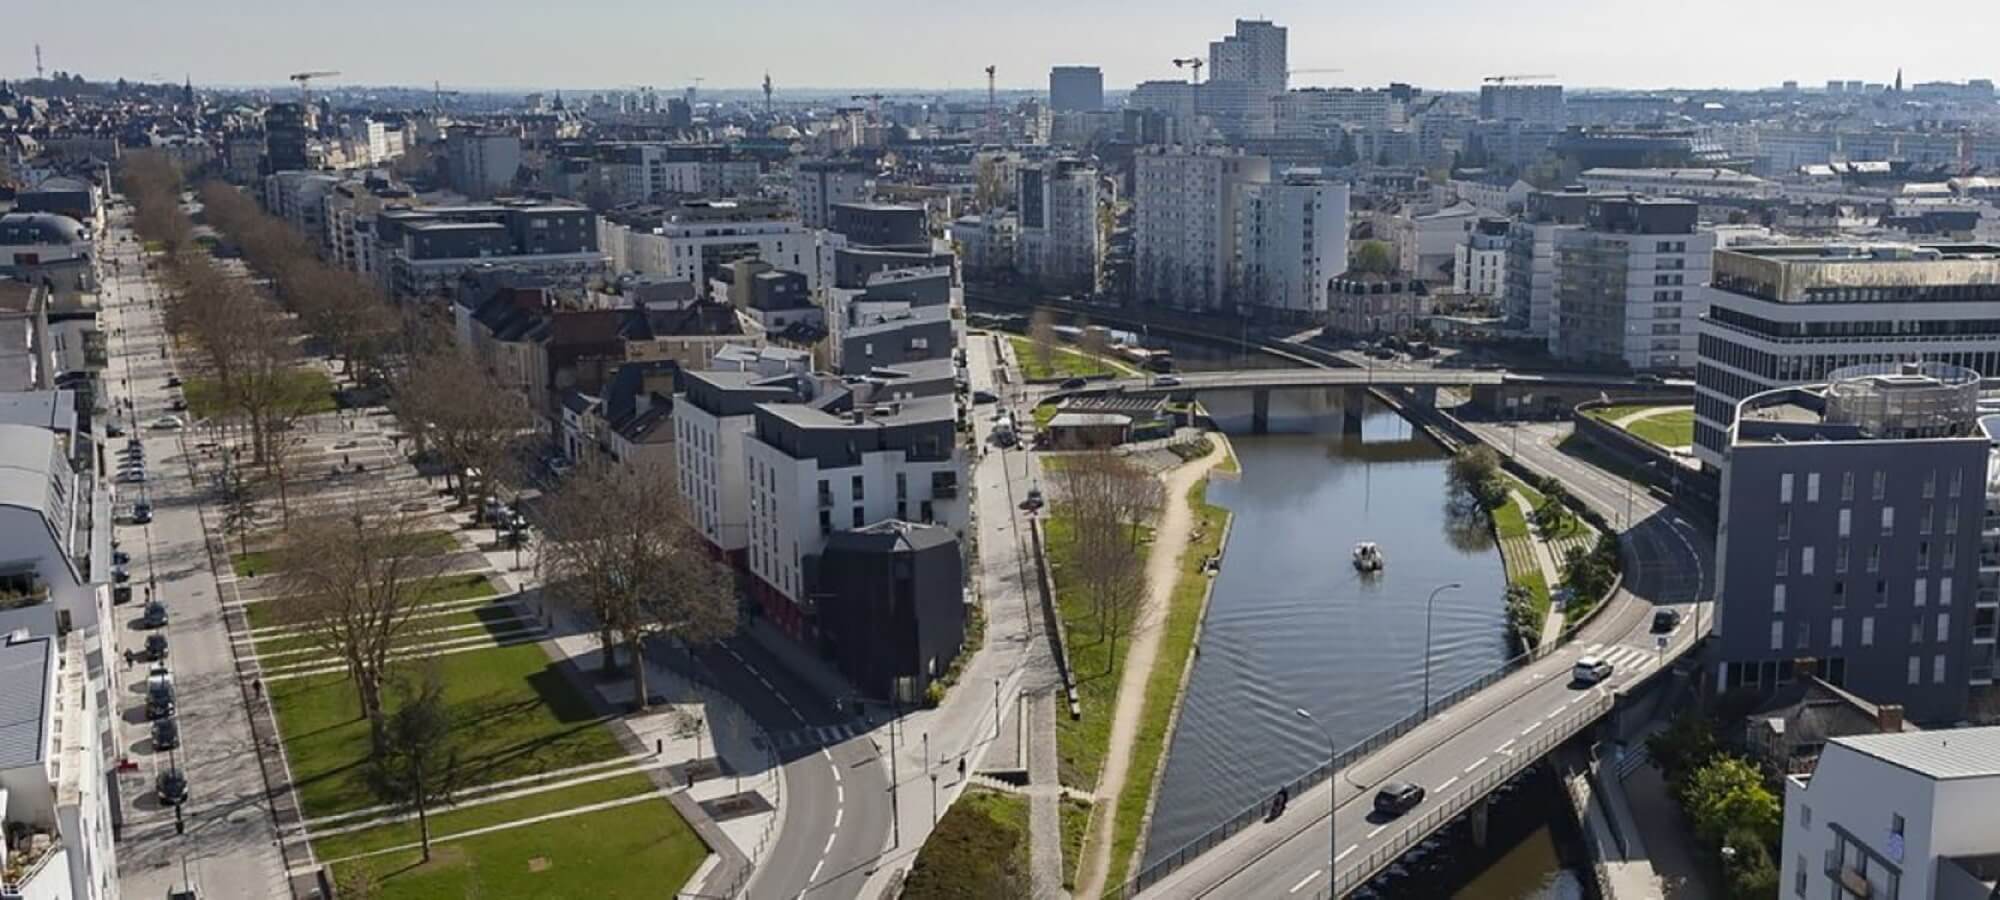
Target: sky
point(608, 44)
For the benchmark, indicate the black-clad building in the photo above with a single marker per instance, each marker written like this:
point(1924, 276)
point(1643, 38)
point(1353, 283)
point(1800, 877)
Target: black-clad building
point(891, 601)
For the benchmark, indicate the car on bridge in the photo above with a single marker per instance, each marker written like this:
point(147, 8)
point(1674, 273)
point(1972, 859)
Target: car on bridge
point(1590, 670)
point(1398, 797)
point(1666, 620)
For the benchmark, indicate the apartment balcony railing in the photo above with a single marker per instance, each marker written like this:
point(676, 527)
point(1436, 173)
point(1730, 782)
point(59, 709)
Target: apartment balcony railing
point(24, 864)
point(1851, 881)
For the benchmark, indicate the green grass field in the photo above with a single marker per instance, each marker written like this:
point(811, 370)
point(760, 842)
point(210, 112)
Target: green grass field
point(446, 821)
point(1670, 429)
point(1063, 362)
point(1149, 745)
point(1081, 743)
point(516, 713)
point(640, 850)
point(265, 561)
point(270, 612)
point(495, 618)
point(311, 388)
point(1075, 820)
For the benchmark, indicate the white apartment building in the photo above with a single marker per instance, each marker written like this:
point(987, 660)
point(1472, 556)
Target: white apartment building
point(1786, 315)
point(712, 415)
point(1178, 100)
point(688, 241)
point(1479, 262)
point(1291, 241)
point(1324, 112)
point(1058, 245)
point(986, 243)
point(1692, 183)
point(1184, 223)
point(299, 198)
point(1535, 104)
point(55, 807)
point(818, 185)
point(1629, 285)
point(1900, 816)
point(482, 164)
point(812, 472)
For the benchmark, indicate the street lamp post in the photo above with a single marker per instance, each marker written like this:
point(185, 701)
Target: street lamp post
point(1332, 802)
point(1427, 640)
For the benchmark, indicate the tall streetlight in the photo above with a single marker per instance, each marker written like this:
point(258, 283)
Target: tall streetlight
point(1332, 801)
point(1427, 640)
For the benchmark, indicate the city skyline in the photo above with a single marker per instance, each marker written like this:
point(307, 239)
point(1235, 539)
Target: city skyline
point(1448, 46)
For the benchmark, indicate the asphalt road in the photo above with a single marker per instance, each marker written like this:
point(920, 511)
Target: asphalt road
point(1667, 565)
point(228, 848)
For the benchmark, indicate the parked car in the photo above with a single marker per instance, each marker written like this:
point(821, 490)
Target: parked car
point(120, 573)
point(980, 397)
point(156, 615)
point(172, 786)
point(1398, 797)
point(1665, 620)
point(156, 647)
point(120, 558)
point(1647, 378)
point(166, 734)
point(173, 380)
point(142, 512)
point(1166, 381)
point(133, 475)
point(113, 429)
point(167, 423)
point(178, 405)
point(1074, 384)
point(121, 594)
point(1591, 670)
point(1034, 501)
point(159, 696)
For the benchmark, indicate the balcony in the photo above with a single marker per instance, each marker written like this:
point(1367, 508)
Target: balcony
point(825, 500)
point(1852, 883)
point(26, 856)
point(944, 485)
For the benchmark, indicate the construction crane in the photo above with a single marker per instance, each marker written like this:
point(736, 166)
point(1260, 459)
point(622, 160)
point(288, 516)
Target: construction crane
point(767, 93)
point(305, 83)
point(992, 102)
point(1503, 79)
point(1194, 62)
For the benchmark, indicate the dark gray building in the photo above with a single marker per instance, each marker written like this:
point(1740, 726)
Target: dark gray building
point(891, 602)
point(1850, 536)
point(885, 225)
point(1076, 89)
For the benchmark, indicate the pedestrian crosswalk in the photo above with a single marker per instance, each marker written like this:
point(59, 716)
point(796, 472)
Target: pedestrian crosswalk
point(1623, 657)
point(812, 736)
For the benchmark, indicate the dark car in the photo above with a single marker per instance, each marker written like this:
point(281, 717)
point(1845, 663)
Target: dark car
point(159, 696)
point(1398, 797)
point(173, 381)
point(178, 405)
point(113, 429)
point(142, 512)
point(120, 574)
point(1665, 620)
point(980, 397)
point(120, 558)
point(1074, 384)
point(156, 647)
point(172, 787)
point(166, 734)
point(121, 594)
point(156, 615)
point(1034, 501)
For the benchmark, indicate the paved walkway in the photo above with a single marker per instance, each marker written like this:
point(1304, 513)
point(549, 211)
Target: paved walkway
point(1552, 625)
point(1170, 540)
point(1044, 798)
point(1625, 421)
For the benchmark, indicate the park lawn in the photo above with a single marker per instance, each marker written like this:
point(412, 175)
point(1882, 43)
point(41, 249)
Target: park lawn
point(498, 617)
point(469, 586)
point(1614, 413)
point(1508, 521)
point(978, 849)
point(632, 851)
point(265, 561)
point(1674, 429)
point(1075, 816)
point(1535, 497)
point(446, 821)
point(312, 388)
point(1081, 743)
point(1538, 588)
point(1063, 363)
point(1163, 684)
point(518, 714)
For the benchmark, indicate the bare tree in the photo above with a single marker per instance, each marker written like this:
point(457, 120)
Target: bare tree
point(619, 546)
point(1108, 501)
point(353, 577)
point(1096, 345)
point(472, 420)
point(419, 766)
point(1042, 335)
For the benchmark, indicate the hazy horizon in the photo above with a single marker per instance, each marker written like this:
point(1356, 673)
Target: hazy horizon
point(508, 45)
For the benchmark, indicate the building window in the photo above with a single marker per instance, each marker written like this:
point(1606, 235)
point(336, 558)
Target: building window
point(1920, 594)
point(1846, 486)
point(1950, 521)
point(1924, 524)
point(1916, 676)
point(825, 522)
point(1867, 631)
point(1784, 524)
point(1943, 627)
point(1836, 633)
point(855, 484)
point(1950, 555)
point(1896, 824)
point(1944, 592)
point(1777, 635)
point(1924, 556)
point(1888, 521)
point(1957, 481)
point(1930, 484)
point(1806, 560)
point(1804, 635)
point(1799, 877)
point(1881, 485)
point(857, 517)
point(1840, 559)
point(1875, 557)
point(1784, 563)
point(1812, 487)
point(1846, 522)
point(1778, 598)
point(1917, 631)
point(1785, 488)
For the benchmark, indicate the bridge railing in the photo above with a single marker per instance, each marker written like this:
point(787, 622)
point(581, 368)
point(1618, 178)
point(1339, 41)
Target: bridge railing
point(1416, 829)
point(1297, 787)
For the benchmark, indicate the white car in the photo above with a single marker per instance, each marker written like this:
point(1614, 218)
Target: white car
point(1591, 670)
point(167, 423)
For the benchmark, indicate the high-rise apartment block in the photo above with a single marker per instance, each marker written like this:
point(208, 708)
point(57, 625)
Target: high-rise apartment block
point(1058, 244)
point(1534, 104)
point(1255, 55)
point(819, 184)
point(1628, 284)
point(1076, 89)
point(1785, 315)
point(482, 163)
point(1291, 241)
point(1185, 235)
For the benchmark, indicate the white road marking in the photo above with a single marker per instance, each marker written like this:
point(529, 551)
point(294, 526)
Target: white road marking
point(1343, 854)
point(1447, 783)
point(836, 816)
point(1378, 830)
point(1503, 748)
point(1526, 731)
point(836, 781)
point(829, 756)
point(1304, 881)
point(1475, 764)
point(829, 844)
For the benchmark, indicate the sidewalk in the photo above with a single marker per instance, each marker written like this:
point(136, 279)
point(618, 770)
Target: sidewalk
point(1552, 626)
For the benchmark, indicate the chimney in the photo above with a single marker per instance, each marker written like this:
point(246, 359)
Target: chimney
point(1889, 718)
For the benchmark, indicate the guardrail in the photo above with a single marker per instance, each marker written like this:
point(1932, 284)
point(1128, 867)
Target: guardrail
point(1415, 830)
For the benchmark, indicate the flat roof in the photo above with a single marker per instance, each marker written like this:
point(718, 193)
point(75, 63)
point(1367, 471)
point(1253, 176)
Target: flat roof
point(1939, 755)
point(25, 667)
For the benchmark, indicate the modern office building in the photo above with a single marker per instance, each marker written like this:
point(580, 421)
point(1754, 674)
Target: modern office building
point(1058, 245)
point(1076, 89)
point(889, 602)
point(482, 163)
point(814, 471)
point(1849, 534)
point(1184, 222)
point(1291, 241)
point(1786, 315)
point(422, 252)
point(819, 184)
point(1533, 104)
point(1628, 283)
point(1902, 816)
